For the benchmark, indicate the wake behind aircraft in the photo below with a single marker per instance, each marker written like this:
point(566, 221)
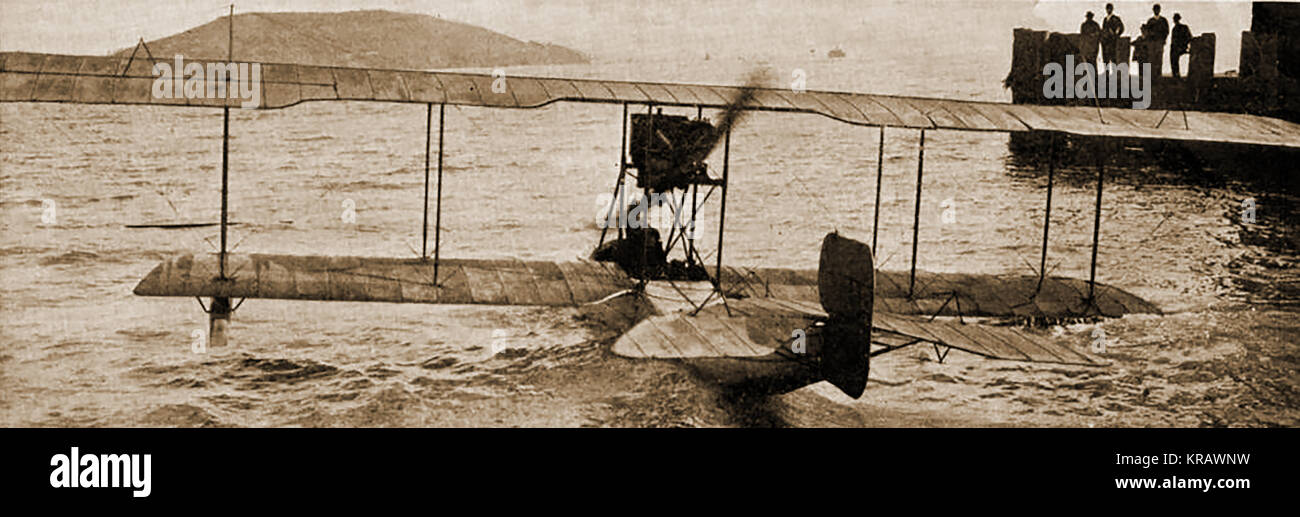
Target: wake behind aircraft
point(764, 329)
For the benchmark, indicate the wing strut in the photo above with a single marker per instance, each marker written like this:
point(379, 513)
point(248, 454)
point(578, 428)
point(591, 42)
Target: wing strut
point(131, 59)
point(428, 145)
point(880, 168)
point(1047, 219)
point(1096, 226)
point(695, 192)
point(618, 185)
point(219, 310)
point(437, 217)
point(916, 218)
point(645, 203)
point(722, 217)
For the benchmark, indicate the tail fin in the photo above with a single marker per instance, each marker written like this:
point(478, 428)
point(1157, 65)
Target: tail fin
point(846, 283)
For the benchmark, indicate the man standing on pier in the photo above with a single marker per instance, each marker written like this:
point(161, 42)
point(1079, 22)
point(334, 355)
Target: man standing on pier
point(1111, 29)
point(1089, 37)
point(1154, 33)
point(1179, 43)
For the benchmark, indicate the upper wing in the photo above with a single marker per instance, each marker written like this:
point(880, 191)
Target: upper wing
point(29, 77)
point(950, 294)
point(369, 279)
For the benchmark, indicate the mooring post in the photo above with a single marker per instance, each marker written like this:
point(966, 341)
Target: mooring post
point(1096, 224)
point(880, 171)
point(437, 218)
point(1047, 218)
point(916, 217)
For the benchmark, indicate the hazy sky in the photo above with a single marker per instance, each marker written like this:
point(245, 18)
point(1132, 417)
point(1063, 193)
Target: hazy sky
point(617, 27)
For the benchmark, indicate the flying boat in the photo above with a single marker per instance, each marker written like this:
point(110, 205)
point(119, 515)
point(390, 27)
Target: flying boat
point(765, 329)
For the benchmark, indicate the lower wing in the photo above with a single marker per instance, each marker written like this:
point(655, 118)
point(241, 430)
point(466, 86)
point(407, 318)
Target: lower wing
point(950, 294)
point(371, 279)
point(770, 328)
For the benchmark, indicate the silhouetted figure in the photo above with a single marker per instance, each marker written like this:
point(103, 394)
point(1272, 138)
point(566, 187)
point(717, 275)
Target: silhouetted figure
point(1140, 47)
point(1152, 42)
point(1180, 43)
point(1089, 38)
point(641, 254)
point(1111, 29)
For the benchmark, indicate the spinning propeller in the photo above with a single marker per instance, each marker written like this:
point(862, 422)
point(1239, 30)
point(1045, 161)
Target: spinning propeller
point(734, 112)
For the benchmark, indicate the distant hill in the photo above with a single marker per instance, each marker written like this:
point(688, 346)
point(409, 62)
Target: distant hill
point(370, 39)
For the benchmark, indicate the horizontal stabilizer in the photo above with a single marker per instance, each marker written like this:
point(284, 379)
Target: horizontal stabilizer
point(372, 279)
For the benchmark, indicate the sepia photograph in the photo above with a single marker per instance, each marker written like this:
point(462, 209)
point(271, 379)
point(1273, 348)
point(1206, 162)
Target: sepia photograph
point(652, 214)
